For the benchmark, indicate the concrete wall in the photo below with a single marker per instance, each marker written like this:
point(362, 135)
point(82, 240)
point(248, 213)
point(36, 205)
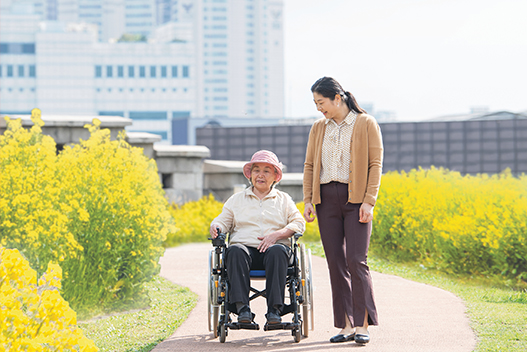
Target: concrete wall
point(181, 171)
point(469, 146)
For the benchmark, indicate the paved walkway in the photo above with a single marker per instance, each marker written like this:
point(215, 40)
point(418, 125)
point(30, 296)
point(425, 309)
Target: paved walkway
point(412, 316)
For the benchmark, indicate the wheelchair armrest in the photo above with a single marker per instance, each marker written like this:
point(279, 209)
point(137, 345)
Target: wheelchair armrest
point(295, 237)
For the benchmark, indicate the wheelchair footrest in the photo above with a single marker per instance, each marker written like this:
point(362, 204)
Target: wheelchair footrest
point(281, 326)
point(246, 326)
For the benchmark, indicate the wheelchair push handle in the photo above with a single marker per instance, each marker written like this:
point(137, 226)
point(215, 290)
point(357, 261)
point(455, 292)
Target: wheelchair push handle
point(219, 241)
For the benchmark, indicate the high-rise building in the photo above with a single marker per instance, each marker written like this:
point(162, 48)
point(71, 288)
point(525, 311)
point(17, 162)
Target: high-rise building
point(242, 44)
point(235, 48)
point(242, 54)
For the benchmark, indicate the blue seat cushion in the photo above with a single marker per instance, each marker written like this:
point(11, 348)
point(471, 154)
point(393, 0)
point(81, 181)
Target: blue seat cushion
point(257, 273)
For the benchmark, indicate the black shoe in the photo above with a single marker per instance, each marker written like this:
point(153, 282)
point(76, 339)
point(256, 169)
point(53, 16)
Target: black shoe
point(342, 338)
point(362, 338)
point(245, 316)
point(273, 317)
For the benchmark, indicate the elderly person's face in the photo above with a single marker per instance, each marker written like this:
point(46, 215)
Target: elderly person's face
point(262, 176)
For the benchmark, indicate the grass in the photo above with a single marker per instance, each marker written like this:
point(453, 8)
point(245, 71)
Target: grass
point(142, 330)
point(498, 315)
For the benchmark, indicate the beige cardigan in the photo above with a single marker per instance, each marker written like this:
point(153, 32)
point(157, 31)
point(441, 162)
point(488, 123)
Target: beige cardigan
point(365, 166)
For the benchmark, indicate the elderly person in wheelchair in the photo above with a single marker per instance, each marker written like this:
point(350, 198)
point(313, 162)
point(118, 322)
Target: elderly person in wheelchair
point(260, 221)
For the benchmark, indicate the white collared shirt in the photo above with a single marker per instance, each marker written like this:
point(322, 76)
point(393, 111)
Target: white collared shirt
point(247, 217)
point(336, 155)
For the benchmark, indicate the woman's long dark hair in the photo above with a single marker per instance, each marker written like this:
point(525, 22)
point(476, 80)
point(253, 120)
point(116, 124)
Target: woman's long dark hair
point(329, 88)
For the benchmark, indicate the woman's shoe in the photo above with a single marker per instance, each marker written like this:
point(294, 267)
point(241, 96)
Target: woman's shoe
point(362, 338)
point(342, 338)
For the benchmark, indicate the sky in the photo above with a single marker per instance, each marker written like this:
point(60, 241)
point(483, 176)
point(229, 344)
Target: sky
point(420, 59)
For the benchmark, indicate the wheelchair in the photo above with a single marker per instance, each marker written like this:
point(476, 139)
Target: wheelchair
point(299, 293)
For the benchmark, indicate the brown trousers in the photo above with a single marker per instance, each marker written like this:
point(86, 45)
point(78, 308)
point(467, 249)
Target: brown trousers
point(346, 242)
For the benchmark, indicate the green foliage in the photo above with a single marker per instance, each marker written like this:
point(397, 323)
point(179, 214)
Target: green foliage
point(471, 225)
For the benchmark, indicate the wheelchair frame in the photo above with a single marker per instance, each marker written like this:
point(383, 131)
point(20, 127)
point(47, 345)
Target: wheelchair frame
point(299, 284)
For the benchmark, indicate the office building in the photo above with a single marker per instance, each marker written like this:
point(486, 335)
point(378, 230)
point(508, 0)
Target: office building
point(215, 60)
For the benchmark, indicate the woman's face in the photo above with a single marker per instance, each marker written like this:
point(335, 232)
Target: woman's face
point(263, 176)
point(326, 106)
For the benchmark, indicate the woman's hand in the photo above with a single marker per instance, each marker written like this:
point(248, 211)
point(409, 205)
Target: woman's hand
point(213, 231)
point(309, 212)
point(366, 213)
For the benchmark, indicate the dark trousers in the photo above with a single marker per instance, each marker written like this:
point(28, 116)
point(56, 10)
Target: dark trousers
point(346, 242)
point(241, 259)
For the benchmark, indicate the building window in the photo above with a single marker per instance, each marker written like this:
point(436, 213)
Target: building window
point(120, 71)
point(1, 70)
point(185, 71)
point(131, 71)
point(32, 71)
point(142, 71)
point(20, 70)
point(163, 71)
point(109, 71)
point(9, 70)
point(98, 71)
point(174, 71)
point(152, 71)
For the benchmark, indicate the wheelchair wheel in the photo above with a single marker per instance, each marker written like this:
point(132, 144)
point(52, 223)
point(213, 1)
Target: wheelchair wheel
point(223, 333)
point(213, 307)
point(307, 290)
point(297, 334)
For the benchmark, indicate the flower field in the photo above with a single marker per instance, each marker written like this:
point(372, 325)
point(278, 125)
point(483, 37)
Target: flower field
point(467, 225)
point(96, 208)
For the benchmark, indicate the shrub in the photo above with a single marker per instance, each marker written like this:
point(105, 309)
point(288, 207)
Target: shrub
point(31, 217)
point(118, 213)
point(193, 220)
point(97, 208)
point(471, 225)
point(35, 318)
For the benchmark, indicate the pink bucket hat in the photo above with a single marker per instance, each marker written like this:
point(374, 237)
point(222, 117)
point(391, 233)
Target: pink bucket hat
point(266, 157)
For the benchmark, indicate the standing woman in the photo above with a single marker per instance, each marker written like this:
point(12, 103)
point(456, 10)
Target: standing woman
point(342, 176)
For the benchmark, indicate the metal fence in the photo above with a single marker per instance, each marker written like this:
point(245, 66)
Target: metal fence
point(470, 147)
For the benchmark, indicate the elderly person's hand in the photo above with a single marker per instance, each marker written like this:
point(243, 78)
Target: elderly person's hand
point(272, 238)
point(366, 213)
point(213, 230)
